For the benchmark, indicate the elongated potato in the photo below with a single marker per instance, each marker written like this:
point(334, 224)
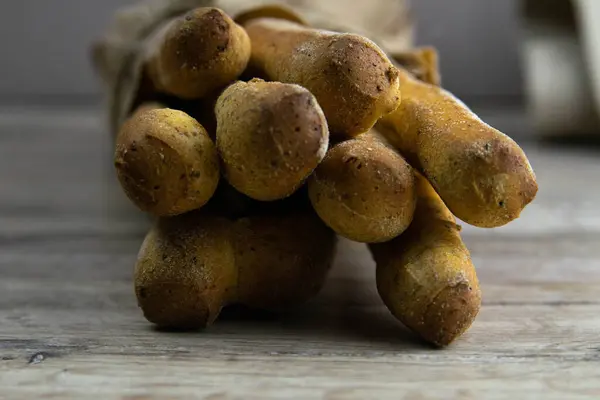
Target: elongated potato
point(198, 53)
point(364, 190)
point(282, 260)
point(425, 276)
point(165, 161)
point(482, 175)
point(191, 266)
point(353, 80)
point(270, 136)
point(186, 271)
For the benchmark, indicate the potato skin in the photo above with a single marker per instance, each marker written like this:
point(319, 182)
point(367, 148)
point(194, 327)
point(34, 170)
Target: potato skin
point(425, 276)
point(482, 175)
point(192, 265)
point(270, 137)
point(282, 260)
point(353, 80)
point(364, 190)
point(165, 162)
point(198, 53)
point(185, 271)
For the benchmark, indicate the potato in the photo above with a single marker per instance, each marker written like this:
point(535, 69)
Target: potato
point(190, 266)
point(186, 271)
point(198, 53)
point(364, 190)
point(282, 260)
point(165, 162)
point(353, 80)
point(425, 276)
point(482, 175)
point(270, 137)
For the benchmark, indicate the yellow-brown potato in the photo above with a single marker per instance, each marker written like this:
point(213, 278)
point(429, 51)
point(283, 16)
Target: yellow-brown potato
point(482, 175)
point(198, 53)
point(282, 261)
point(364, 190)
point(270, 137)
point(186, 271)
point(190, 266)
point(165, 161)
point(353, 80)
point(425, 276)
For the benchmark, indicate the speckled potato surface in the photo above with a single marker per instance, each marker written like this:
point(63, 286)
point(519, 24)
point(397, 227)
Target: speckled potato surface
point(482, 175)
point(364, 191)
point(165, 162)
point(425, 276)
point(191, 266)
point(353, 80)
point(198, 53)
point(270, 137)
point(186, 271)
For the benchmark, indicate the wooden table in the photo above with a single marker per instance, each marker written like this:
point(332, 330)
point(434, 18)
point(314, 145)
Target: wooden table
point(70, 327)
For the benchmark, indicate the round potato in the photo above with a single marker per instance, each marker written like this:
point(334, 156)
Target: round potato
point(364, 191)
point(185, 271)
point(165, 161)
point(198, 53)
point(270, 137)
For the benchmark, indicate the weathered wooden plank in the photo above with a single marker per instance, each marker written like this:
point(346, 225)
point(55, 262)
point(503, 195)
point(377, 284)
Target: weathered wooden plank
point(291, 377)
point(70, 328)
point(568, 331)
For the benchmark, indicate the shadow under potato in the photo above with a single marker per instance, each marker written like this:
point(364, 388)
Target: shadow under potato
point(335, 324)
point(353, 320)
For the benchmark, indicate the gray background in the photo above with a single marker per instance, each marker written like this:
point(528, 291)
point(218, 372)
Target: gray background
point(44, 47)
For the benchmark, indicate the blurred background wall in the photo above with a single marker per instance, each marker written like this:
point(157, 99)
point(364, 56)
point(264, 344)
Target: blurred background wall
point(478, 42)
point(44, 47)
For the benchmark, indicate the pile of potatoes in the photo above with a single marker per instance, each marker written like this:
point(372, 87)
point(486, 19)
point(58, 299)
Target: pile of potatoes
point(256, 141)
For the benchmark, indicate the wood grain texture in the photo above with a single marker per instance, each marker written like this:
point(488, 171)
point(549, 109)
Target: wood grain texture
point(70, 328)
